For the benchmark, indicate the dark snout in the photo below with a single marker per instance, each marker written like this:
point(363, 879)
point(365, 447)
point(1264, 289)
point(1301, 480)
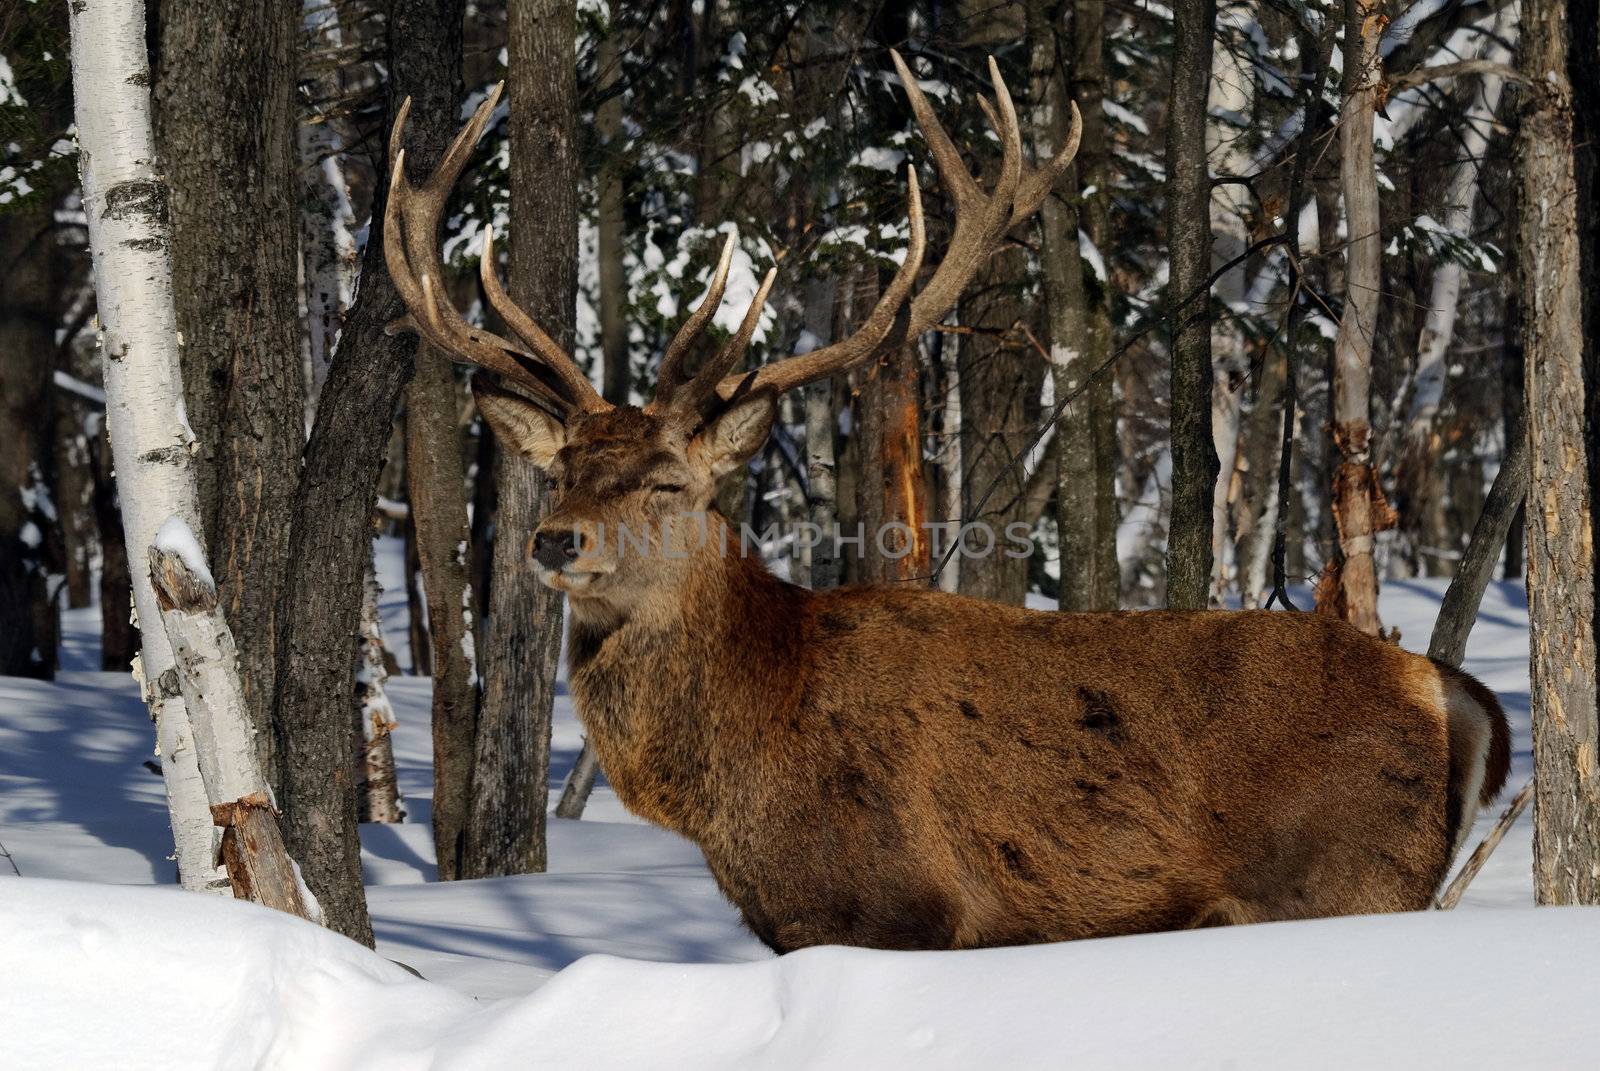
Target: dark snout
point(555, 548)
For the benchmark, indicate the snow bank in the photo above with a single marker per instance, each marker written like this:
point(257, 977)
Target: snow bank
point(134, 977)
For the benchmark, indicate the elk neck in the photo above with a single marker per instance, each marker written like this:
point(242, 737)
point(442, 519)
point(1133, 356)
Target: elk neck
point(674, 690)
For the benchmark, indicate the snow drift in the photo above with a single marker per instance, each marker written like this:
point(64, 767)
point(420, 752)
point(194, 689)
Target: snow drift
point(146, 977)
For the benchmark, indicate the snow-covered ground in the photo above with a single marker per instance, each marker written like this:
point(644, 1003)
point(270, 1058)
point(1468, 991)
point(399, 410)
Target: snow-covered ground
point(80, 802)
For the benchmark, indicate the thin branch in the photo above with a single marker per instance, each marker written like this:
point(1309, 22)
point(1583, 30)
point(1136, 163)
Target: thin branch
point(1480, 855)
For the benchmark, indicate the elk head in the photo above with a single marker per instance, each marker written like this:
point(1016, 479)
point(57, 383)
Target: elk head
point(633, 486)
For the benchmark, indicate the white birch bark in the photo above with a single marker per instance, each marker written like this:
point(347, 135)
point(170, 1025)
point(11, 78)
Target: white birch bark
point(207, 660)
point(125, 201)
point(823, 565)
point(1232, 93)
point(950, 455)
point(327, 243)
point(1460, 208)
point(375, 713)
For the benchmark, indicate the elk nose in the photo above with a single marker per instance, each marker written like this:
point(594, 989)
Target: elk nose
point(553, 550)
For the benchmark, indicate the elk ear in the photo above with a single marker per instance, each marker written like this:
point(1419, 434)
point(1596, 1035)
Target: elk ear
point(519, 423)
point(736, 433)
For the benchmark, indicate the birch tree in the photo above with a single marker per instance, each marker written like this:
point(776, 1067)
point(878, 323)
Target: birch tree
point(1421, 449)
point(327, 241)
point(207, 660)
point(1560, 508)
point(126, 201)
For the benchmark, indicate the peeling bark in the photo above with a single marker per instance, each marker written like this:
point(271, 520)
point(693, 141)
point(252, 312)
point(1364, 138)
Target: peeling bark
point(1356, 498)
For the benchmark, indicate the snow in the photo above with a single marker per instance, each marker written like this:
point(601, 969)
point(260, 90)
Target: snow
point(625, 953)
point(176, 537)
point(10, 95)
point(186, 981)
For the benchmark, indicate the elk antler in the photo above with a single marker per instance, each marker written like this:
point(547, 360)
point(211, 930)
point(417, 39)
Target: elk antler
point(411, 251)
point(411, 226)
point(981, 221)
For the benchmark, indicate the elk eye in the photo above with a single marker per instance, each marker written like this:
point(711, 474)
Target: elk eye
point(667, 488)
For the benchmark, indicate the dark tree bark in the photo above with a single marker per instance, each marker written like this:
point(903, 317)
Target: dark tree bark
point(1194, 455)
point(1000, 377)
point(417, 620)
point(511, 769)
point(321, 608)
point(225, 126)
point(1459, 609)
point(1093, 167)
point(1560, 546)
point(1063, 66)
point(610, 232)
point(29, 311)
point(119, 640)
point(1511, 386)
point(439, 512)
point(1583, 65)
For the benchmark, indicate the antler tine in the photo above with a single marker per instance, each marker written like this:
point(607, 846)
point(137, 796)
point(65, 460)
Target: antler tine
point(1010, 132)
point(803, 368)
point(981, 221)
point(671, 376)
point(946, 158)
point(455, 158)
point(454, 337)
point(1037, 182)
point(411, 252)
point(706, 382)
point(555, 358)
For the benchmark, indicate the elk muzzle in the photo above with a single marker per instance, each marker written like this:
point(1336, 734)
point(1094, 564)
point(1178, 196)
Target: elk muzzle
point(555, 549)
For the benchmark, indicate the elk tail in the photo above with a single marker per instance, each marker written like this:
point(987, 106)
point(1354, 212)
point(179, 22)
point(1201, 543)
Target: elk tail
point(1480, 750)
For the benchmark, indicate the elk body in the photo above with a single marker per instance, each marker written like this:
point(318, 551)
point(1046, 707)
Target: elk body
point(902, 768)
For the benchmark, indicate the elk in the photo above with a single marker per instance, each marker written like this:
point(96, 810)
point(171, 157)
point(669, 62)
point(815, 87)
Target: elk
point(905, 769)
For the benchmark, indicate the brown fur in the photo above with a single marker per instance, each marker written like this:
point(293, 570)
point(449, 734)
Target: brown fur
point(901, 768)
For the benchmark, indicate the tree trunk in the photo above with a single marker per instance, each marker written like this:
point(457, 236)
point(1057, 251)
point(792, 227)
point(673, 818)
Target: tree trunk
point(1357, 500)
point(511, 768)
point(258, 865)
point(822, 475)
point(1560, 544)
point(1419, 466)
point(377, 789)
point(119, 639)
point(1093, 171)
point(1231, 93)
point(73, 503)
point(439, 511)
point(1194, 455)
point(226, 122)
point(417, 623)
point(1459, 610)
point(125, 202)
point(333, 509)
point(616, 378)
point(28, 517)
point(327, 240)
point(1078, 523)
